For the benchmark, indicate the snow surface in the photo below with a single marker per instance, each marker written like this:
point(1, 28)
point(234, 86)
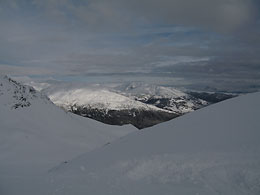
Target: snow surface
point(97, 98)
point(35, 135)
point(214, 150)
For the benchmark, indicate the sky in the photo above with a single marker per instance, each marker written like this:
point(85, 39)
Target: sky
point(199, 43)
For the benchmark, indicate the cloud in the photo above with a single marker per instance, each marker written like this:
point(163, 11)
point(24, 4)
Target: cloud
point(18, 70)
point(186, 38)
point(221, 15)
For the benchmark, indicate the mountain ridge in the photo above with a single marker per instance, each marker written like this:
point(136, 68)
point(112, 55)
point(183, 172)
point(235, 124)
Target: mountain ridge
point(118, 105)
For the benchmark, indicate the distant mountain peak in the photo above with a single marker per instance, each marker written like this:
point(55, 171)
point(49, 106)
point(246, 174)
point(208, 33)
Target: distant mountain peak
point(140, 88)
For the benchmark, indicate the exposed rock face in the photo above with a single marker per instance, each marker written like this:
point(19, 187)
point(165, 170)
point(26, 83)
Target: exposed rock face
point(212, 97)
point(140, 118)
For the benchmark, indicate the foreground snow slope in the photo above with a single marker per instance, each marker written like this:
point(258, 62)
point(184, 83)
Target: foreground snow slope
point(35, 135)
point(215, 150)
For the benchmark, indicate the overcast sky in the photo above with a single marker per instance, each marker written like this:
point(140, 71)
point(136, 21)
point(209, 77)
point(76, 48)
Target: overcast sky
point(197, 40)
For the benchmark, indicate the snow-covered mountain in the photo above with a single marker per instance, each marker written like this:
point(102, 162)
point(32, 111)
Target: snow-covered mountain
point(107, 106)
point(214, 150)
point(137, 103)
point(167, 98)
point(97, 99)
point(35, 135)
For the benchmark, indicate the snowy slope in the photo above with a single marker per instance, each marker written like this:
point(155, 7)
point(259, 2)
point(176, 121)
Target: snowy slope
point(35, 135)
point(96, 98)
point(214, 150)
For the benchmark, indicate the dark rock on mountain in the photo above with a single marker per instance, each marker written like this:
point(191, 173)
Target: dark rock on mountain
point(137, 117)
point(212, 97)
